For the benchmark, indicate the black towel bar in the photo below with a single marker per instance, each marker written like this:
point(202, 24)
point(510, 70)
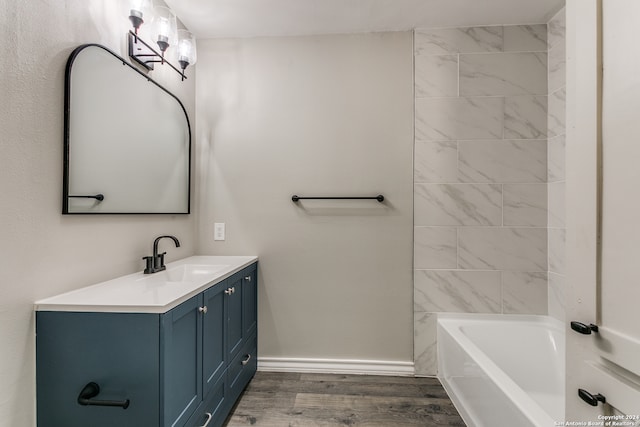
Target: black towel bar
point(379, 198)
point(99, 197)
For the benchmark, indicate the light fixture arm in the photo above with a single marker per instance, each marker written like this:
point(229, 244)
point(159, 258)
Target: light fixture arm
point(145, 55)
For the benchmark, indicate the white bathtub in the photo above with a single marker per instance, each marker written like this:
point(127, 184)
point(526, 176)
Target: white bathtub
point(503, 370)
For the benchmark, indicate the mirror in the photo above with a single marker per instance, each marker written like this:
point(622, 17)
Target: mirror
point(127, 139)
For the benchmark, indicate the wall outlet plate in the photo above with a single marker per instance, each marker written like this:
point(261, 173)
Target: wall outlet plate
point(218, 231)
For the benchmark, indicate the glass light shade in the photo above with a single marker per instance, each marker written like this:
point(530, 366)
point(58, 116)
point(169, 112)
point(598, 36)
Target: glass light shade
point(187, 54)
point(140, 11)
point(165, 28)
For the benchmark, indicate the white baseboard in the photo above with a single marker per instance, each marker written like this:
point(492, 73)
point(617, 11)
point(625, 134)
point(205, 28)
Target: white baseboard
point(336, 366)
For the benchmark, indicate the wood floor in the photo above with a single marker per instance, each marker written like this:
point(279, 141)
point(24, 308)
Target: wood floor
point(309, 400)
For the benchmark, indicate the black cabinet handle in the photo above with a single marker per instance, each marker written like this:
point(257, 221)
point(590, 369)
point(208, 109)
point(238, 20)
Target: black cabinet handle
point(91, 390)
point(584, 329)
point(590, 398)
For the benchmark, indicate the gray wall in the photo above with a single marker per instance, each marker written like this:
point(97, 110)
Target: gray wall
point(313, 116)
point(480, 176)
point(44, 253)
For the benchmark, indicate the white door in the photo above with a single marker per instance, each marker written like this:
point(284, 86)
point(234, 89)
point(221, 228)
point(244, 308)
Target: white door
point(606, 364)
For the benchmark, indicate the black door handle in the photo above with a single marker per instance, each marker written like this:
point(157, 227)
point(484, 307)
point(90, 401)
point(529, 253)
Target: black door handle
point(590, 398)
point(584, 329)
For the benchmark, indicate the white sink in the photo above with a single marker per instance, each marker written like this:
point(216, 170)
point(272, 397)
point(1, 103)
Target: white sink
point(190, 272)
point(184, 273)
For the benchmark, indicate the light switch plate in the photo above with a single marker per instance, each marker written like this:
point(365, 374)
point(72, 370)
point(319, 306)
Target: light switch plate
point(218, 231)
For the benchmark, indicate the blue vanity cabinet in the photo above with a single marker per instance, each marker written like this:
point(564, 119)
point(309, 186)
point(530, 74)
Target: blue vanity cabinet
point(175, 368)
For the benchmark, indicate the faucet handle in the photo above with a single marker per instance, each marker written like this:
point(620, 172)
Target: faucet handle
point(158, 263)
point(149, 267)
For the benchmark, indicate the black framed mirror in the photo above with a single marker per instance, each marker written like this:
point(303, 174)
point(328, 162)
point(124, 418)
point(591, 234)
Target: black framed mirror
point(127, 139)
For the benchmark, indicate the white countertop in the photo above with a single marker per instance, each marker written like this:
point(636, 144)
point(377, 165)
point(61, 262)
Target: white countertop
point(149, 293)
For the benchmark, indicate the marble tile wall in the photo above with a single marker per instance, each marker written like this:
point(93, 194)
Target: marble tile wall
point(555, 163)
point(480, 177)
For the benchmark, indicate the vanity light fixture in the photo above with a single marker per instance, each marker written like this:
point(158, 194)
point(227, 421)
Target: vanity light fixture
point(163, 29)
point(139, 10)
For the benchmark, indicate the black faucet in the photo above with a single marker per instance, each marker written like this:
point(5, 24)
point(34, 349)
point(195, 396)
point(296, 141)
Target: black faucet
point(155, 262)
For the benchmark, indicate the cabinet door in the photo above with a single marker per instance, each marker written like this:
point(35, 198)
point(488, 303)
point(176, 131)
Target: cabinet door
point(249, 300)
point(213, 336)
point(234, 315)
point(182, 361)
point(118, 351)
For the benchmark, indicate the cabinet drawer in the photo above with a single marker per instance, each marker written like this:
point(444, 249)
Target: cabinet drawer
point(242, 368)
point(210, 412)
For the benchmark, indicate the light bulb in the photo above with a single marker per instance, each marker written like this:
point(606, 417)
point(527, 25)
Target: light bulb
point(187, 54)
point(139, 12)
point(165, 30)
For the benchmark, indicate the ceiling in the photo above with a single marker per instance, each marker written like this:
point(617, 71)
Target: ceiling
point(255, 18)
